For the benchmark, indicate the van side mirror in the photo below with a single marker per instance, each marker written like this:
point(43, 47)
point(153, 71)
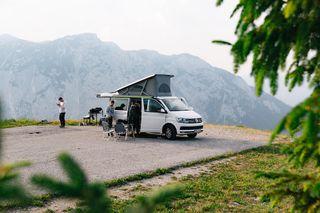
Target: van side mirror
point(162, 110)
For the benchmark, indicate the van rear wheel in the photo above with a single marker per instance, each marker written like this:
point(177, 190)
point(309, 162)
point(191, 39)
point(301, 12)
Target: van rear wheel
point(170, 132)
point(192, 135)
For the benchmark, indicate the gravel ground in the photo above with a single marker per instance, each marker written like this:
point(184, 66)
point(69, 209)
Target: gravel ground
point(105, 160)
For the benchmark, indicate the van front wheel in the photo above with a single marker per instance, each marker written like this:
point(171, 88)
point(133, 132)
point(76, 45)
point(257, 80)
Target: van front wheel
point(192, 135)
point(170, 132)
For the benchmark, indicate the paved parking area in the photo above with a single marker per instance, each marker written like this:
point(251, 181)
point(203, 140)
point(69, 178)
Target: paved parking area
point(104, 160)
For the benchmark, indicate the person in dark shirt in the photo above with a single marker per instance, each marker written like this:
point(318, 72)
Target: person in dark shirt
point(135, 117)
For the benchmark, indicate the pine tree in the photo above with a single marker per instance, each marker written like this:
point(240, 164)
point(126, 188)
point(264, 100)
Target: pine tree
point(93, 195)
point(270, 30)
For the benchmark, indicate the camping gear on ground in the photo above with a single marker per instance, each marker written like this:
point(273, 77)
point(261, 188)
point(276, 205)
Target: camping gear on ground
point(92, 115)
point(120, 130)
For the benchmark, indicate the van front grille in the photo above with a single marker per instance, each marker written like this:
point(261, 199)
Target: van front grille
point(191, 127)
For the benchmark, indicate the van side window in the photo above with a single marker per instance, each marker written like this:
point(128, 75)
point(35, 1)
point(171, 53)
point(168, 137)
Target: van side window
point(121, 104)
point(151, 105)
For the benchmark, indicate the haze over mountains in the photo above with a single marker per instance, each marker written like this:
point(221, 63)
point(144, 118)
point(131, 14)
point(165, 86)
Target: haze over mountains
point(34, 75)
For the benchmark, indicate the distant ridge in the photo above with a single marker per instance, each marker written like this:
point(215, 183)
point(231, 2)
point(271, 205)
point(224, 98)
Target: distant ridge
point(33, 75)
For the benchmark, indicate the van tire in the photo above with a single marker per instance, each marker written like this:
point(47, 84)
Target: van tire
point(170, 132)
point(193, 135)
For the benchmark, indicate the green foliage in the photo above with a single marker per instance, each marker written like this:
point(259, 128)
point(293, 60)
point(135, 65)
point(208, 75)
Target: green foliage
point(10, 189)
point(221, 42)
point(270, 31)
point(92, 195)
point(303, 124)
point(304, 189)
point(148, 204)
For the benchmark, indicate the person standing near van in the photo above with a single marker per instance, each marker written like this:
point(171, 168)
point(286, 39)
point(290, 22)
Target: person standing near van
point(135, 117)
point(110, 113)
point(138, 118)
point(62, 112)
point(132, 116)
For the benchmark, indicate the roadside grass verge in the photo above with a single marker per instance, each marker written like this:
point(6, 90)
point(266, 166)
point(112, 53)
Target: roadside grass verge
point(36, 201)
point(10, 123)
point(17, 123)
point(227, 187)
point(162, 171)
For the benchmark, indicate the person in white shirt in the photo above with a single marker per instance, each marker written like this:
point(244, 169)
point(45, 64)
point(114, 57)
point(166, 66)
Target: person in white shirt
point(62, 112)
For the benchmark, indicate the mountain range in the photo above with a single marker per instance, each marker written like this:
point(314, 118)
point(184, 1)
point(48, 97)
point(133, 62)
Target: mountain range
point(34, 74)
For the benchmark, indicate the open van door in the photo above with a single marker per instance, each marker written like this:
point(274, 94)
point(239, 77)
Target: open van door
point(153, 116)
point(121, 106)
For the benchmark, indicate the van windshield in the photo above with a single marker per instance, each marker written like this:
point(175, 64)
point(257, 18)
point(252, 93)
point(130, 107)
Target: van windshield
point(175, 104)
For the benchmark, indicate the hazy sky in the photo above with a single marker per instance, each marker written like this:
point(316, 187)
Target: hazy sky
point(167, 26)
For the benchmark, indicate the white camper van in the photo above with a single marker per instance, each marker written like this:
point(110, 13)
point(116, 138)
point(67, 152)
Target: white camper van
point(161, 113)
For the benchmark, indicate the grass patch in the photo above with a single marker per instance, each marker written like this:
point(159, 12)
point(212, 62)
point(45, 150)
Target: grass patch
point(10, 123)
point(162, 171)
point(137, 177)
point(17, 123)
point(68, 122)
point(227, 187)
point(41, 200)
point(36, 201)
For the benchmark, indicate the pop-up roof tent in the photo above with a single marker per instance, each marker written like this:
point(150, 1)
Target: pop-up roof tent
point(155, 85)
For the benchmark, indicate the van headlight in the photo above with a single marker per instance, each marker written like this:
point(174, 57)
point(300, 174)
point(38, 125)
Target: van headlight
point(182, 120)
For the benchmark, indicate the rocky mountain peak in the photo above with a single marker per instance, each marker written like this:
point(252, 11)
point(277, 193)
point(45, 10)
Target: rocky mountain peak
point(78, 67)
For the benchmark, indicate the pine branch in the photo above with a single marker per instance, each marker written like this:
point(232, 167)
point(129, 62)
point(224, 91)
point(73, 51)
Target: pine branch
point(93, 195)
point(221, 42)
point(148, 204)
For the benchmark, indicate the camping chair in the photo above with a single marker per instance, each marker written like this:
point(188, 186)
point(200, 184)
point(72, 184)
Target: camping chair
point(120, 130)
point(107, 131)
